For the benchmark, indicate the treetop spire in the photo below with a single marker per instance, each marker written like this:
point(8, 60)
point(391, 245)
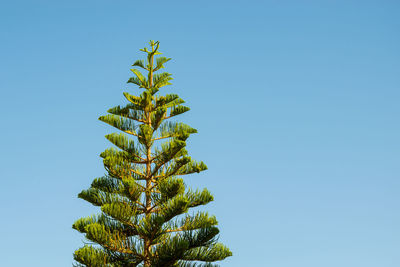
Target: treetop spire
point(144, 202)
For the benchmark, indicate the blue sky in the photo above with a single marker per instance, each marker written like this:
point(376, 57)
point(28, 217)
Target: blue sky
point(296, 103)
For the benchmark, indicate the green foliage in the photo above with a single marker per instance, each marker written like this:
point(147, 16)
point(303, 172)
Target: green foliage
point(145, 219)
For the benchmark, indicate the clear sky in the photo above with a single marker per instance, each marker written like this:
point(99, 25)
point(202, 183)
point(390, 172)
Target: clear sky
point(296, 103)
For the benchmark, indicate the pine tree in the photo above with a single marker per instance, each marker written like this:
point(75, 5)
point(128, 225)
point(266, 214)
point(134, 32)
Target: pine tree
point(145, 218)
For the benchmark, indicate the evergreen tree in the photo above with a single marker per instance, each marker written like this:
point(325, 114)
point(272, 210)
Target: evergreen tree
point(144, 203)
